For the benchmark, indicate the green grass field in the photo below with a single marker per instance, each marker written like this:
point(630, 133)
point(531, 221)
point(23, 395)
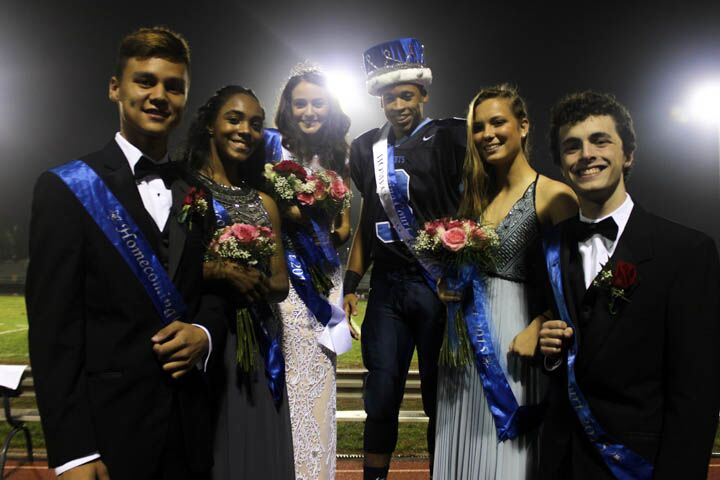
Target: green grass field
point(13, 330)
point(13, 349)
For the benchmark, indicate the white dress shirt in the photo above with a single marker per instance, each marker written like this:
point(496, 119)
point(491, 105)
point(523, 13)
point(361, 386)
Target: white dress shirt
point(157, 199)
point(597, 250)
point(595, 253)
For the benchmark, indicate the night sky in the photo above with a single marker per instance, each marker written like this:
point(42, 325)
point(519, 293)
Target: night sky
point(56, 60)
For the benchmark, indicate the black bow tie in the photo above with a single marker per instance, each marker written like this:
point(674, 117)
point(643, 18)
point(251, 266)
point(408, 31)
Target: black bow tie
point(607, 228)
point(167, 171)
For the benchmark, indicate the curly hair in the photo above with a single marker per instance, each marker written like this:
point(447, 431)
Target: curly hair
point(478, 181)
point(147, 42)
point(329, 143)
point(576, 107)
point(196, 150)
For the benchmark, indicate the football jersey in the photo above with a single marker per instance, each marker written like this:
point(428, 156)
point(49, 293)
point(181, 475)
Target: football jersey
point(428, 168)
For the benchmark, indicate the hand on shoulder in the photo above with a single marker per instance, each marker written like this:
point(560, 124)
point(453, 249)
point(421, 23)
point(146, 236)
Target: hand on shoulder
point(554, 201)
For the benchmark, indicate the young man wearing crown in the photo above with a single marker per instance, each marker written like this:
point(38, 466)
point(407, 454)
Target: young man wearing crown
point(119, 323)
point(633, 354)
point(408, 172)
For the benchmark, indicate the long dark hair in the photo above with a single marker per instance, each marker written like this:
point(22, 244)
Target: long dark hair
point(196, 150)
point(478, 180)
point(329, 143)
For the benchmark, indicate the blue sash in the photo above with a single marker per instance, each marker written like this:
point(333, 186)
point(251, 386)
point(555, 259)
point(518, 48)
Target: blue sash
point(321, 226)
point(273, 145)
point(222, 217)
point(122, 231)
point(395, 204)
point(302, 283)
point(271, 351)
point(270, 347)
point(307, 253)
point(510, 419)
point(325, 253)
point(622, 462)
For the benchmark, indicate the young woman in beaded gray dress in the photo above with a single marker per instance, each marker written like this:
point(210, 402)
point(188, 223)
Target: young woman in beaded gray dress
point(503, 190)
point(225, 148)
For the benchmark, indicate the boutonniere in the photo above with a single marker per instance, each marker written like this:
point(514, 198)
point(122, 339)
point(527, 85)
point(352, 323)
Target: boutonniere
point(194, 203)
point(619, 281)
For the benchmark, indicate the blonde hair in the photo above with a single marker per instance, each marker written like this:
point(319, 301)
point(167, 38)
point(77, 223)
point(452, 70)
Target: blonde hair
point(478, 181)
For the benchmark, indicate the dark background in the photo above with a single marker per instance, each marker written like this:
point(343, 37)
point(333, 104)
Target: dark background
point(56, 60)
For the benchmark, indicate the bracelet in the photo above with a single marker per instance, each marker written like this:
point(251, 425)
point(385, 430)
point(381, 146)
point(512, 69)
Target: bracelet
point(351, 282)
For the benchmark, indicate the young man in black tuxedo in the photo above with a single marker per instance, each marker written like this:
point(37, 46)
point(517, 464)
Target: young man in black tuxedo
point(640, 336)
point(121, 393)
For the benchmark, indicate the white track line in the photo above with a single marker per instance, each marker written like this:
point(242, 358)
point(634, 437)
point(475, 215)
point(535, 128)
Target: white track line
point(14, 331)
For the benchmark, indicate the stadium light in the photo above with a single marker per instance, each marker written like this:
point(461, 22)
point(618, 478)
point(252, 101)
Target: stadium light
point(703, 107)
point(347, 88)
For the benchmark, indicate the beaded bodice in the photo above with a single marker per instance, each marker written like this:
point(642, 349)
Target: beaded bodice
point(518, 232)
point(242, 203)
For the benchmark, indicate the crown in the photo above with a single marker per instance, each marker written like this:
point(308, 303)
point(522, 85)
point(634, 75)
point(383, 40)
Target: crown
point(396, 61)
point(304, 68)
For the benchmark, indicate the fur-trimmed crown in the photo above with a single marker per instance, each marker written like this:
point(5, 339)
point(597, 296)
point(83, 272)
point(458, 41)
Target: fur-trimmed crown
point(396, 61)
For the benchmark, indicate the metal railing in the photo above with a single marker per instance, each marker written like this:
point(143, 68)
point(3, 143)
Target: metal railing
point(349, 386)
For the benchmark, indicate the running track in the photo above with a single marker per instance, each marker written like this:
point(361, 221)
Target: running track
point(346, 470)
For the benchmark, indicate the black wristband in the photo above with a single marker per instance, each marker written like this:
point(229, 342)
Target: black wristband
point(351, 282)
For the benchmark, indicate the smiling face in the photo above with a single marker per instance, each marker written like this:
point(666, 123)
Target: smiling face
point(592, 160)
point(403, 106)
point(497, 133)
point(238, 129)
point(310, 105)
point(151, 96)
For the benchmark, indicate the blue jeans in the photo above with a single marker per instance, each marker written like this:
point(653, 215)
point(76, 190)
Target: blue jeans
point(402, 312)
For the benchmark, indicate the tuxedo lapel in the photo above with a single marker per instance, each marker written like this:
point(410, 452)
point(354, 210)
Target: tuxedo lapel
point(177, 232)
point(119, 178)
point(568, 250)
point(634, 246)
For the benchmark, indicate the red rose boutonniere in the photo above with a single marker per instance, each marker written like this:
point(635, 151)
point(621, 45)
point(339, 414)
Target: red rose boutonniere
point(194, 203)
point(619, 281)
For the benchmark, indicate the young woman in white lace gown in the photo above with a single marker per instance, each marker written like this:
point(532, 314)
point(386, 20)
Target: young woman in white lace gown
point(501, 189)
point(313, 129)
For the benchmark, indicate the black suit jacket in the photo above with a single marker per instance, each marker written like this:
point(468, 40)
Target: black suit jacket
point(100, 387)
point(650, 371)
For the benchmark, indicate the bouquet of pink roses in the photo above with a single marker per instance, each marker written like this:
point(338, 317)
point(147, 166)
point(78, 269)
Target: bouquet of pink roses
point(330, 192)
point(293, 184)
point(242, 243)
point(247, 245)
point(465, 247)
point(457, 241)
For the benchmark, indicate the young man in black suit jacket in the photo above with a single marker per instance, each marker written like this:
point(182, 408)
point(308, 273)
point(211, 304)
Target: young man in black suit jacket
point(120, 395)
point(642, 298)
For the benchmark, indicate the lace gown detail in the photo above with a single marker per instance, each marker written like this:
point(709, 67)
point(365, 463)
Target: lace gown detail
point(252, 435)
point(310, 375)
point(466, 440)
